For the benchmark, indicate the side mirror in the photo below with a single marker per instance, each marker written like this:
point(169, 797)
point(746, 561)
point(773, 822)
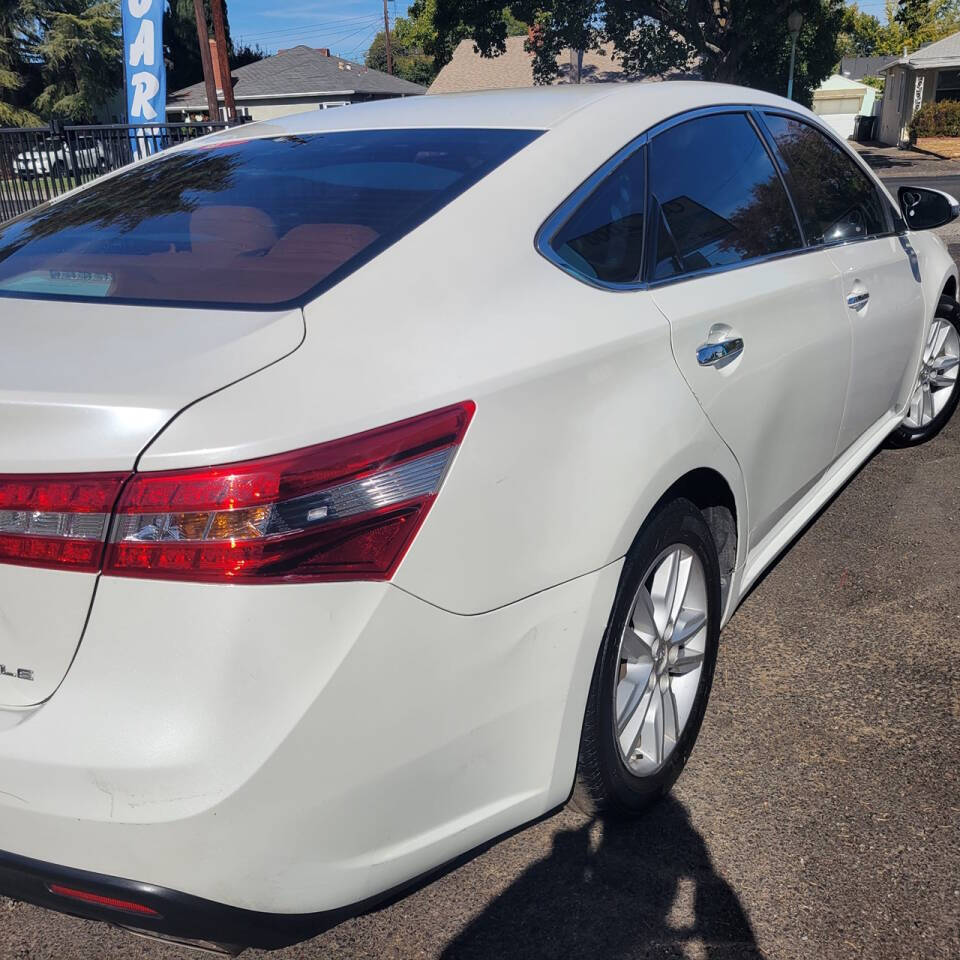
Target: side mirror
point(924, 209)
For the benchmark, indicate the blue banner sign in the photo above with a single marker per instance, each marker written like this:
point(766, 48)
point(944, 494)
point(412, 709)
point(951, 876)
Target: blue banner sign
point(146, 78)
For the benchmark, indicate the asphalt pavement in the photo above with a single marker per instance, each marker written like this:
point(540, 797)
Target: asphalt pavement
point(819, 816)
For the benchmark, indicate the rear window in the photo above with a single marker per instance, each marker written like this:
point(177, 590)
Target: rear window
point(255, 223)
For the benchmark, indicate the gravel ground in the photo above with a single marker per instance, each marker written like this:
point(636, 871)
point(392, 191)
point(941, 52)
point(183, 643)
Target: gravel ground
point(819, 815)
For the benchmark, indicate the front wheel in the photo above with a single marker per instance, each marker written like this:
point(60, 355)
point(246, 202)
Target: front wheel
point(935, 393)
point(653, 674)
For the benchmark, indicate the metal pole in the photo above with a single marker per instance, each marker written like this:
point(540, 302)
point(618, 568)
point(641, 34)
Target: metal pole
point(213, 110)
point(793, 54)
point(386, 30)
point(220, 32)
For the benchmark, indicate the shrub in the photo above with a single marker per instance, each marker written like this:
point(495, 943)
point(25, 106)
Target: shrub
point(936, 120)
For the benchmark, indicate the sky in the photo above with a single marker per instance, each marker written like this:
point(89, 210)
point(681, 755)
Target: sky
point(345, 26)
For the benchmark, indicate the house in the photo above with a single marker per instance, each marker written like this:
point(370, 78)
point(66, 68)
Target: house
point(467, 70)
point(294, 80)
point(931, 73)
point(840, 100)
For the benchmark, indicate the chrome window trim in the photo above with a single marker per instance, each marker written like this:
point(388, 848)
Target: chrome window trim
point(754, 113)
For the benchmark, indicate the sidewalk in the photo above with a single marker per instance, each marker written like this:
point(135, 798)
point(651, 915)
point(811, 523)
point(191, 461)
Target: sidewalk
point(901, 164)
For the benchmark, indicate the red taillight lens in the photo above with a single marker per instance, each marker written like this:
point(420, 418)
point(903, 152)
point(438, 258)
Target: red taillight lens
point(56, 520)
point(98, 899)
point(344, 510)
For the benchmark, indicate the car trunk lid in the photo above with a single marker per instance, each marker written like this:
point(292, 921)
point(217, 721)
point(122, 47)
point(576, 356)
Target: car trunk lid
point(84, 387)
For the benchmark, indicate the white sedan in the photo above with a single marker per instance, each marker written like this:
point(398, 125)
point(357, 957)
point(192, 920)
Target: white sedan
point(375, 480)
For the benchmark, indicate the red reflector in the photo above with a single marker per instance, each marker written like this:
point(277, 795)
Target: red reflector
point(113, 903)
point(344, 510)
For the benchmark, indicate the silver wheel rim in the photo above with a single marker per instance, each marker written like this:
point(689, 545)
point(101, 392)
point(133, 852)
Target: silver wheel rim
point(661, 656)
point(938, 375)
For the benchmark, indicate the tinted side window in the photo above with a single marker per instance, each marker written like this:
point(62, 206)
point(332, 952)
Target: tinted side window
point(835, 199)
point(720, 198)
point(604, 237)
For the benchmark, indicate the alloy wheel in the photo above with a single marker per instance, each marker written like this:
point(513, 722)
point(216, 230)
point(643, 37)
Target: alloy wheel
point(938, 375)
point(661, 657)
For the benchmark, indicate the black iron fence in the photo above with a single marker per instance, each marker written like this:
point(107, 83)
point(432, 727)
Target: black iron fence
point(39, 163)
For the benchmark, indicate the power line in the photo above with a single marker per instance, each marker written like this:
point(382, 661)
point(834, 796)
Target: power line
point(332, 24)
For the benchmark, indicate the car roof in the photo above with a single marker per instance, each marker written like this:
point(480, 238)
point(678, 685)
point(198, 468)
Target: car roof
point(536, 108)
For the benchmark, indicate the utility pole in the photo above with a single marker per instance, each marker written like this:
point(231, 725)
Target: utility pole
point(220, 34)
point(386, 30)
point(213, 110)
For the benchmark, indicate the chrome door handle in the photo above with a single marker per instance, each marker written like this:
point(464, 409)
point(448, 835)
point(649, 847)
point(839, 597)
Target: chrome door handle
point(710, 354)
point(857, 300)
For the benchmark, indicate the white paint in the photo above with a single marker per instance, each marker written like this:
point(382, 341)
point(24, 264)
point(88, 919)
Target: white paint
point(142, 50)
point(145, 86)
point(246, 725)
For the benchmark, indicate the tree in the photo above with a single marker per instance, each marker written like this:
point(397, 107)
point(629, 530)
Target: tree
point(922, 21)
point(860, 33)
point(15, 70)
point(241, 56)
point(79, 48)
point(743, 41)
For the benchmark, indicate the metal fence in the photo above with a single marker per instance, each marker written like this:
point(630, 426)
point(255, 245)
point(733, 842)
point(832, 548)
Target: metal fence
point(39, 163)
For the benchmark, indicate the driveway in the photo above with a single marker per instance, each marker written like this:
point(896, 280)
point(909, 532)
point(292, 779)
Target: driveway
point(819, 816)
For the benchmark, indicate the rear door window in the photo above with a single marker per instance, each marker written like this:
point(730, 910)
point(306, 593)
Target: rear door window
point(718, 197)
point(258, 222)
point(835, 199)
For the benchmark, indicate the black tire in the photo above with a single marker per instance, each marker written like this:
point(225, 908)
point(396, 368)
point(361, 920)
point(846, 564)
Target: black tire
point(905, 436)
point(604, 784)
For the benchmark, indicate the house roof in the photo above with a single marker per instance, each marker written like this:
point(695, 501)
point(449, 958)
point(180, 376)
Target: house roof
point(467, 70)
point(856, 68)
point(298, 71)
point(943, 53)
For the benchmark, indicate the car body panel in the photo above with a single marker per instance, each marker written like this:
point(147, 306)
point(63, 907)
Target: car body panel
point(295, 748)
point(779, 404)
point(884, 330)
point(85, 387)
point(126, 778)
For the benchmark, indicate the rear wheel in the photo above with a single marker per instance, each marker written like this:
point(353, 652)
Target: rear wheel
point(653, 674)
point(935, 393)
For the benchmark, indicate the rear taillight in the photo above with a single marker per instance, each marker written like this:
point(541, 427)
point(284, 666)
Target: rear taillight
point(56, 520)
point(344, 510)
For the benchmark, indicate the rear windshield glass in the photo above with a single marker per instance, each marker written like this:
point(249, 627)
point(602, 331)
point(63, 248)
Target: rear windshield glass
point(258, 222)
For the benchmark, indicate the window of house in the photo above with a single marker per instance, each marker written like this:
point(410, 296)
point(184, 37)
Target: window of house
point(719, 198)
point(603, 240)
point(835, 199)
point(948, 85)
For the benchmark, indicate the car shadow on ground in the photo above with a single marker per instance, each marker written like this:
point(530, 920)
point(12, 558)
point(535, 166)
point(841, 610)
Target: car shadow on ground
point(616, 891)
point(877, 159)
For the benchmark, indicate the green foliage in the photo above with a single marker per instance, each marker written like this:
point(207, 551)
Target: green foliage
point(876, 82)
point(78, 45)
point(419, 49)
point(737, 41)
point(15, 68)
point(860, 33)
point(936, 120)
point(913, 23)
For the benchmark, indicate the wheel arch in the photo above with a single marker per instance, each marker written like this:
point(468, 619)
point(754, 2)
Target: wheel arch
point(950, 288)
point(710, 491)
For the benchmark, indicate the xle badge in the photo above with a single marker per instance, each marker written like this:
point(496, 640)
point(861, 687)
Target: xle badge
point(19, 674)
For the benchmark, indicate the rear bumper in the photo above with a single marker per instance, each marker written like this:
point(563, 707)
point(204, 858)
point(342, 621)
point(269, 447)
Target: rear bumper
point(175, 915)
point(295, 750)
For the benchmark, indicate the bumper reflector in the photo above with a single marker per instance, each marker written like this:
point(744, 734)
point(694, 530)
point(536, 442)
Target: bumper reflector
point(85, 896)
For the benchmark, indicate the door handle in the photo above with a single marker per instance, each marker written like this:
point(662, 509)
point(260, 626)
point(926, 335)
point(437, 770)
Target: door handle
point(710, 354)
point(857, 300)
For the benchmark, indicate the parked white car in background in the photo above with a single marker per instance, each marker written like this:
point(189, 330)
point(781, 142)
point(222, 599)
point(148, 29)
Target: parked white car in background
point(86, 155)
point(375, 479)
